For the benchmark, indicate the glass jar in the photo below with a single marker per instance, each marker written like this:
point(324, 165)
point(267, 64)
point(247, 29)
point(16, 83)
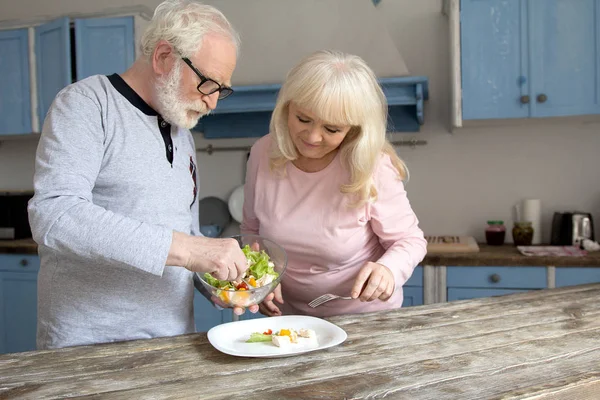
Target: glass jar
point(495, 233)
point(522, 233)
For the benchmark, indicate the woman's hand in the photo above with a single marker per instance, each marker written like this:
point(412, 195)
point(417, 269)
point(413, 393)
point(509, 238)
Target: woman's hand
point(374, 281)
point(268, 306)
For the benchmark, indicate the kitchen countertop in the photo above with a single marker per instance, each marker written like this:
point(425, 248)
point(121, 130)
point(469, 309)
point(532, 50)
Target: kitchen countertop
point(506, 255)
point(22, 246)
point(540, 344)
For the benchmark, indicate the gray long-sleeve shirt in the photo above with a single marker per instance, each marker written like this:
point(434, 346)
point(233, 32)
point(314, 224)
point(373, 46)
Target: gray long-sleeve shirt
point(106, 201)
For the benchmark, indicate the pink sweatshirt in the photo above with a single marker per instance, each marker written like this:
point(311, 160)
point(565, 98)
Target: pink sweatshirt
point(326, 241)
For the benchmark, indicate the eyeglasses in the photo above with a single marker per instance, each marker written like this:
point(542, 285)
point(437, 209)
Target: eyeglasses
point(207, 86)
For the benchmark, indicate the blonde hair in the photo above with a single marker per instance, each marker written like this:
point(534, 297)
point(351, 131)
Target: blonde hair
point(183, 24)
point(341, 89)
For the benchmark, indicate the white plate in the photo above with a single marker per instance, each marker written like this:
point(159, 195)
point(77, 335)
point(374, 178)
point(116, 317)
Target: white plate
point(230, 338)
point(236, 203)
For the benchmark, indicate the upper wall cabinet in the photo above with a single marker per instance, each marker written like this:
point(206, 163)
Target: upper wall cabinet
point(103, 46)
point(247, 112)
point(67, 52)
point(525, 58)
point(565, 57)
point(15, 102)
point(53, 61)
point(64, 51)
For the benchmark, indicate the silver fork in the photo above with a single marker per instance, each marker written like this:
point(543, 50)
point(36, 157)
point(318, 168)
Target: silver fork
point(325, 298)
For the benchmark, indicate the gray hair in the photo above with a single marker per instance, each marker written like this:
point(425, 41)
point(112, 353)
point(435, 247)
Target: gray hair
point(183, 24)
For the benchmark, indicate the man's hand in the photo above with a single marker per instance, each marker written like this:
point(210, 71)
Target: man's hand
point(222, 258)
point(374, 281)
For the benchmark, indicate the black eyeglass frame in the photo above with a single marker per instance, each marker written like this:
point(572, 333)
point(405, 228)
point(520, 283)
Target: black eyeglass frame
point(224, 91)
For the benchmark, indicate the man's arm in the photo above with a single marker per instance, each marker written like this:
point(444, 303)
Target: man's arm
point(61, 213)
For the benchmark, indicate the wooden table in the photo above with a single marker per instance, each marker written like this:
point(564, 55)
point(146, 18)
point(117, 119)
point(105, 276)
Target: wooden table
point(536, 345)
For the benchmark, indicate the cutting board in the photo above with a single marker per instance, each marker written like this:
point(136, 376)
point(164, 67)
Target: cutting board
point(451, 244)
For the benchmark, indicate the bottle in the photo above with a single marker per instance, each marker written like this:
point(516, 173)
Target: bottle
point(495, 233)
point(522, 233)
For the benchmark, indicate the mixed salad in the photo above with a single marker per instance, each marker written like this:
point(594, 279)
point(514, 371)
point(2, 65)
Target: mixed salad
point(283, 337)
point(260, 272)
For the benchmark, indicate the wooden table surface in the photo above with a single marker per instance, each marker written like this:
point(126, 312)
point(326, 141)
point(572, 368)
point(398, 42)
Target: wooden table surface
point(536, 345)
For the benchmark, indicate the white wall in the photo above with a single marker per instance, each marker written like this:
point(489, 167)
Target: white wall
point(458, 181)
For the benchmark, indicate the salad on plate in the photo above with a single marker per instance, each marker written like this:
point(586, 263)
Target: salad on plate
point(284, 337)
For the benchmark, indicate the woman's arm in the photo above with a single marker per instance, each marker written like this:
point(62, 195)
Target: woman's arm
point(394, 222)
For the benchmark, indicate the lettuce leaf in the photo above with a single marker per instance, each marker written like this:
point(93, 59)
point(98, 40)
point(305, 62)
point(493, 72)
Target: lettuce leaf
point(259, 263)
point(259, 337)
point(211, 280)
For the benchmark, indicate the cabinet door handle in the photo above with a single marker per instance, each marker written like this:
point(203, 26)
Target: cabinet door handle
point(24, 262)
point(525, 99)
point(495, 278)
point(541, 98)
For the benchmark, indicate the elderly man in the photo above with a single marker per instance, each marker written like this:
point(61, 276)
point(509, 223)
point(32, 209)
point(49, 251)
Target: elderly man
point(115, 211)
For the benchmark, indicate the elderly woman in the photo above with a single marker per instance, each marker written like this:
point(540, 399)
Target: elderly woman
point(327, 185)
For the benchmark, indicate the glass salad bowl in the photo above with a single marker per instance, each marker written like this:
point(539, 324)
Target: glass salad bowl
point(267, 262)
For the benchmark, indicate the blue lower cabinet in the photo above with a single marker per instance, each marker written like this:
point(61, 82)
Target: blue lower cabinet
point(18, 302)
point(569, 276)
point(413, 289)
point(474, 282)
point(413, 296)
point(206, 315)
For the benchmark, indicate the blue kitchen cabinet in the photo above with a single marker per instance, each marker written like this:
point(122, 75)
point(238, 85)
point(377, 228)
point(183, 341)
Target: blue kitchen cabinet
point(248, 111)
point(570, 276)
point(565, 56)
point(413, 289)
point(53, 62)
point(18, 302)
point(473, 282)
point(102, 46)
point(413, 296)
point(15, 102)
point(493, 58)
point(206, 315)
point(530, 58)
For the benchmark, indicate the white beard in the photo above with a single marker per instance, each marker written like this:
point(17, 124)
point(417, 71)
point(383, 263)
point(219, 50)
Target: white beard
point(170, 104)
